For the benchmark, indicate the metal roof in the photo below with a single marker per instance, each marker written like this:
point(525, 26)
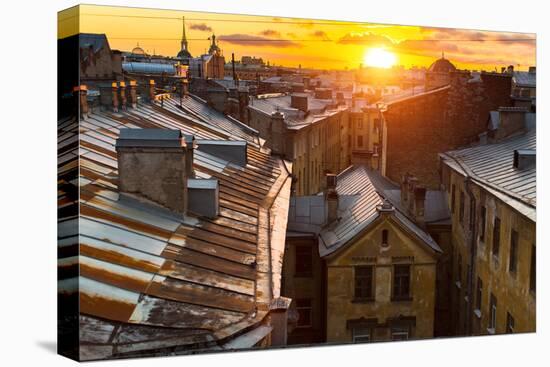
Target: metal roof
point(492, 167)
point(148, 68)
point(360, 192)
point(525, 79)
point(149, 279)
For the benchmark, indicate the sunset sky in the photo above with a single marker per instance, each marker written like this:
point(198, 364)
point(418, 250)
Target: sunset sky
point(291, 41)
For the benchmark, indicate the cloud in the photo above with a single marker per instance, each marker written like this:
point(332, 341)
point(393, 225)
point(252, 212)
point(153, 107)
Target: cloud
point(320, 34)
point(200, 27)
point(270, 33)
point(366, 39)
point(256, 41)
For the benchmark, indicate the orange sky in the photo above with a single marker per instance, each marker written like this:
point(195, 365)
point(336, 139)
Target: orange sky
point(292, 41)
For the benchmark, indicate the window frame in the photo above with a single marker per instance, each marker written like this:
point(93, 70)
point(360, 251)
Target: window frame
point(395, 284)
point(366, 332)
point(309, 310)
point(482, 223)
point(479, 294)
point(510, 323)
point(492, 312)
point(513, 258)
point(304, 272)
point(495, 251)
point(533, 270)
point(356, 277)
point(461, 207)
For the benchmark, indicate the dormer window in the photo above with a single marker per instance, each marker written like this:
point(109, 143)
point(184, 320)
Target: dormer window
point(525, 158)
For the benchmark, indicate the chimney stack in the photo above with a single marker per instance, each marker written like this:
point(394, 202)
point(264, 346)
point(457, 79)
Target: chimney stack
point(81, 93)
point(331, 197)
point(419, 205)
point(512, 120)
point(122, 88)
point(299, 101)
point(151, 90)
point(153, 165)
point(133, 93)
point(114, 90)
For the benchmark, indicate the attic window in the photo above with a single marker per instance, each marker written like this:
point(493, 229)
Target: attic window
point(525, 158)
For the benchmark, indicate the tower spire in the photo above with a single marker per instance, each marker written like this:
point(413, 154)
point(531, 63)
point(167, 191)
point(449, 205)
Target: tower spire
point(183, 37)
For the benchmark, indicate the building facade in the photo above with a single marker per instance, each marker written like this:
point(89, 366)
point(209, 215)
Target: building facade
point(492, 194)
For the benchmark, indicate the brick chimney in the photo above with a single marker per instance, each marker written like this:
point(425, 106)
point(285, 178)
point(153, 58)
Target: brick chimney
point(512, 120)
point(331, 197)
point(153, 164)
point(108, 96)
point(413, 198)
point(122, 89)
point(419, 195)
point(299, 101)
point(81, 93)
point(133, 93)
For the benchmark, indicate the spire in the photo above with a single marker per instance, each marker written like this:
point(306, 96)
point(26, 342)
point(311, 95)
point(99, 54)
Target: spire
point(183, 37)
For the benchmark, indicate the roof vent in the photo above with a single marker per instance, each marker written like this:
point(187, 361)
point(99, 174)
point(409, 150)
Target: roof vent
point(154, 164)
point(203, 197)
point(525, 159)
point(229, 150)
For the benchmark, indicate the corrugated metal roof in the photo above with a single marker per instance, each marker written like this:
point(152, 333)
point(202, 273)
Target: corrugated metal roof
point(164, 281)
point(492, 166)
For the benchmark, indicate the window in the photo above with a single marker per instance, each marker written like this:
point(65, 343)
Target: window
point(509, 323)
point(304, 261)
point(482, 223)
point(493, 313)
point(359, 140)
point(303, 306)
point(479, 294)
point(363, 282)
point(496, 237)
point(401, 282)
point(361, 335)
point(533, 275)
point(453, 194)
point(513, 264)
point(399, 333)
point(385, 234)
point(472, 219)
point(461, 208)
point(359, 123)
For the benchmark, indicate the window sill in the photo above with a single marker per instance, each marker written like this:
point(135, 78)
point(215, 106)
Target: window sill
point(362, 300)
point(477, 312)
point(458, 284)
point(491, 331)
point(401, 299)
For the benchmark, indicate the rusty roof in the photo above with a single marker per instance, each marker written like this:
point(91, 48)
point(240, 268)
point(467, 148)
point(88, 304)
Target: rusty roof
point(149, 279)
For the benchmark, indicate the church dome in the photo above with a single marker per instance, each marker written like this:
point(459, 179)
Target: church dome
point(138, 50)
point(442, 65)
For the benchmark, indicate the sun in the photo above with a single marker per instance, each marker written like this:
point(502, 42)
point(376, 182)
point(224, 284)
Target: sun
point(379, 58)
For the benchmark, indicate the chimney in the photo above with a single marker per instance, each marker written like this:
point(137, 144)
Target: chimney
point(108, 96)
point(323, 93)
point(122, 88)
point(405, 191)
point(331, 197)
point(297, 88)
point(412, 182)
point(511, 120)
point(299, 101)
point(279, 134)
point(234, 151)
point(133, 93)
point(525, 159)
point(419, 204)
point(81, 92)
point(532, 69)
point(153, 164)
point(510, 69)
point(147, 90)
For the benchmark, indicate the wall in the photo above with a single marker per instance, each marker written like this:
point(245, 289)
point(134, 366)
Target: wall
point(511, 291)
point(367, 251)
point(419, 128)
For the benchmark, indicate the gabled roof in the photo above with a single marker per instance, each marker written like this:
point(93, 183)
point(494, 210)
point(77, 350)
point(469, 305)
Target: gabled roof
point(148, 278)
point(367, 188)
point(491, 166)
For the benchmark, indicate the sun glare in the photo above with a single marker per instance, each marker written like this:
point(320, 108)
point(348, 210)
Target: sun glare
point(379, 58)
